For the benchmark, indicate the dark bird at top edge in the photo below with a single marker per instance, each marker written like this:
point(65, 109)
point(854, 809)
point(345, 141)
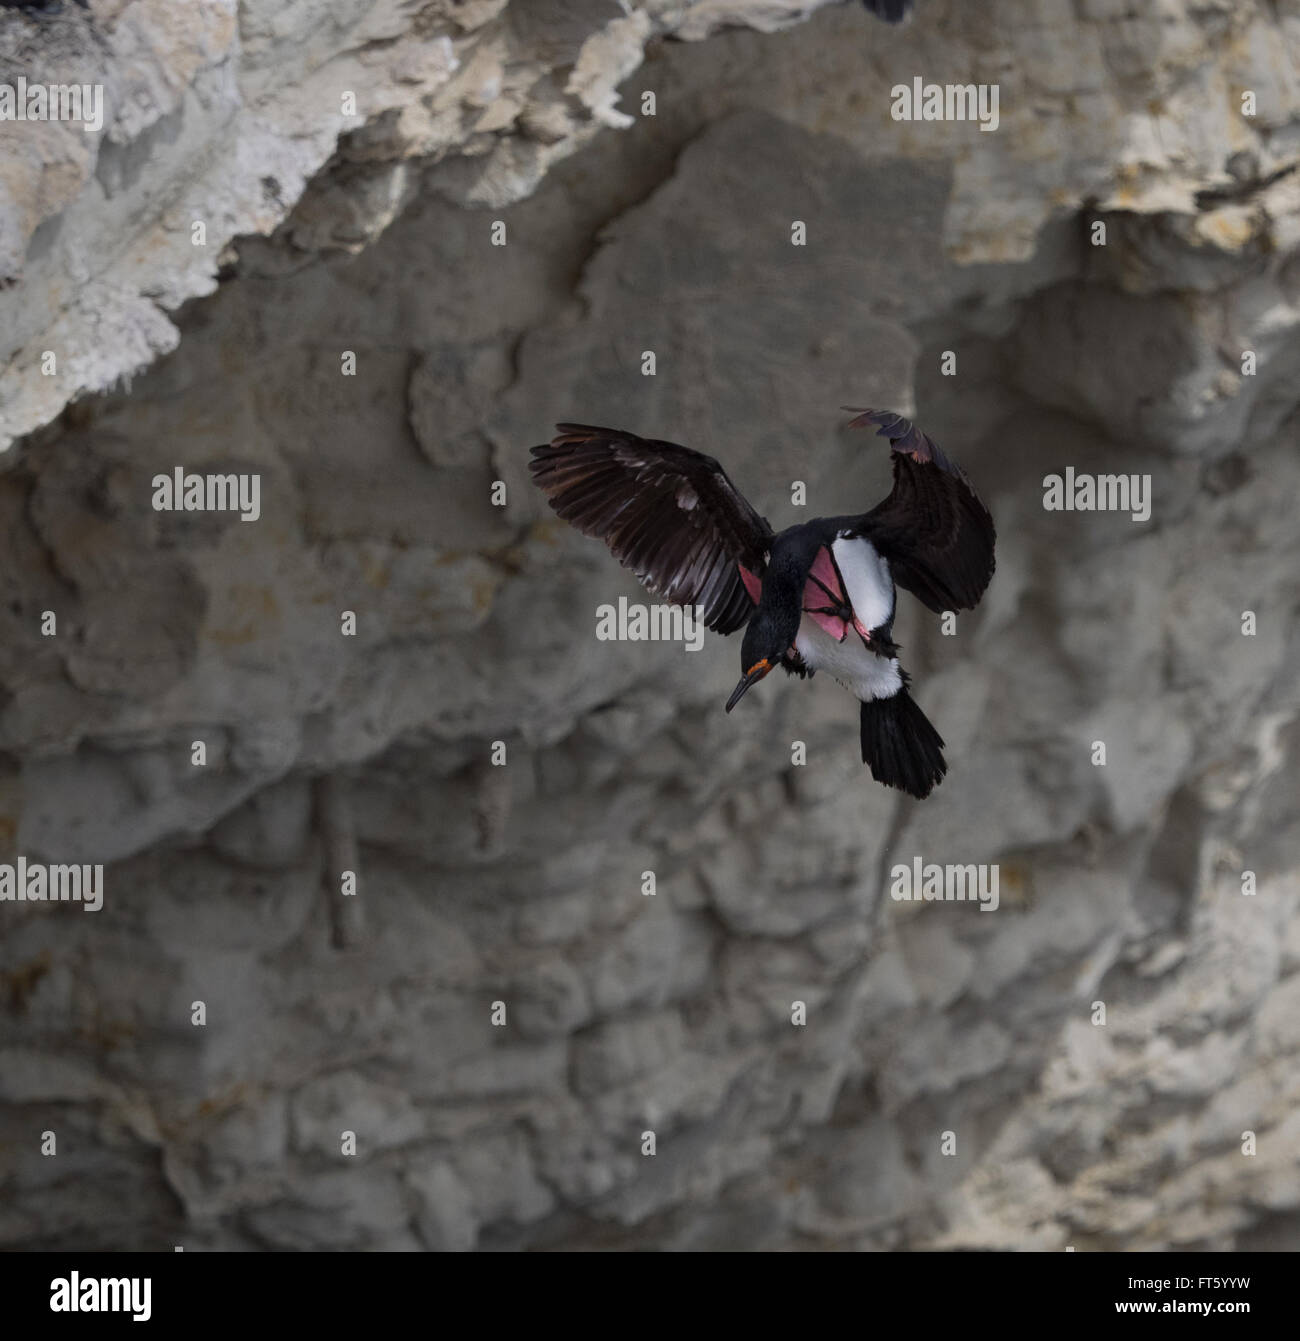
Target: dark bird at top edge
point(40, 8)
point(817, 596)
point(892, 11)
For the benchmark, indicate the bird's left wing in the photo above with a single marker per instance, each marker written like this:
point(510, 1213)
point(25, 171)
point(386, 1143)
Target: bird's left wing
point(933, 529)
point(668, 513)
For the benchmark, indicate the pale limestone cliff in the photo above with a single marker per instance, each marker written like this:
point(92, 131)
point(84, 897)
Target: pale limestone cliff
point(523, 884)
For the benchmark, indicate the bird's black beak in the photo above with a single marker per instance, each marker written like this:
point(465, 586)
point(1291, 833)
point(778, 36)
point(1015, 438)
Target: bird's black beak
point(751, 677)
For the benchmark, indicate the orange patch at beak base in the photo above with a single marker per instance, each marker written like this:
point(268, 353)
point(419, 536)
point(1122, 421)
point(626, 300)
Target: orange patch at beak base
point(751, 677)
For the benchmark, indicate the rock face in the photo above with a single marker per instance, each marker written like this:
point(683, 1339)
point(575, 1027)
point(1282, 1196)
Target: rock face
point(1107, 283)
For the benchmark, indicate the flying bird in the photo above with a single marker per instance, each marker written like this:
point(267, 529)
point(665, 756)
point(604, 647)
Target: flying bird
point(818, 596)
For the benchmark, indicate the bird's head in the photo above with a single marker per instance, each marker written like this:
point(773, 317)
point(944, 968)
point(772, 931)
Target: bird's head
point(766, 642)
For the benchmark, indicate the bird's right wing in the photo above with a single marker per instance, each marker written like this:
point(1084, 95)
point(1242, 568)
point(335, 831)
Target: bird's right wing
point(668, 513)
point(933, 528)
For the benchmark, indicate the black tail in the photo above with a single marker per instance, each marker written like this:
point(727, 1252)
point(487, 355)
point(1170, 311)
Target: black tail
point(901, 746)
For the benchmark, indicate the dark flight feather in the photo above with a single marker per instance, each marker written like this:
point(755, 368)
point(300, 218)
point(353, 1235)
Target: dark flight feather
point(933, 529)
point(668, 513)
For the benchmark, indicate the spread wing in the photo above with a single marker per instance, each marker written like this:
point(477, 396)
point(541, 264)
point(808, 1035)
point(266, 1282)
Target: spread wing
point(933, 529)
point(668, 513)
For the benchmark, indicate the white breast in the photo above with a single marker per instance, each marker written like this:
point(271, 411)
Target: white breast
point(867, 580)
point(861, 672)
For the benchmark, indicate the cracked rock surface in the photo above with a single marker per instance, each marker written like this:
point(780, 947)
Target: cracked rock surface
point(522, 883)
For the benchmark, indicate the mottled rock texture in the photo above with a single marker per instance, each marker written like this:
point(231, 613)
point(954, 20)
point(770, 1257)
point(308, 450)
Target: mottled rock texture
point(522, 884)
